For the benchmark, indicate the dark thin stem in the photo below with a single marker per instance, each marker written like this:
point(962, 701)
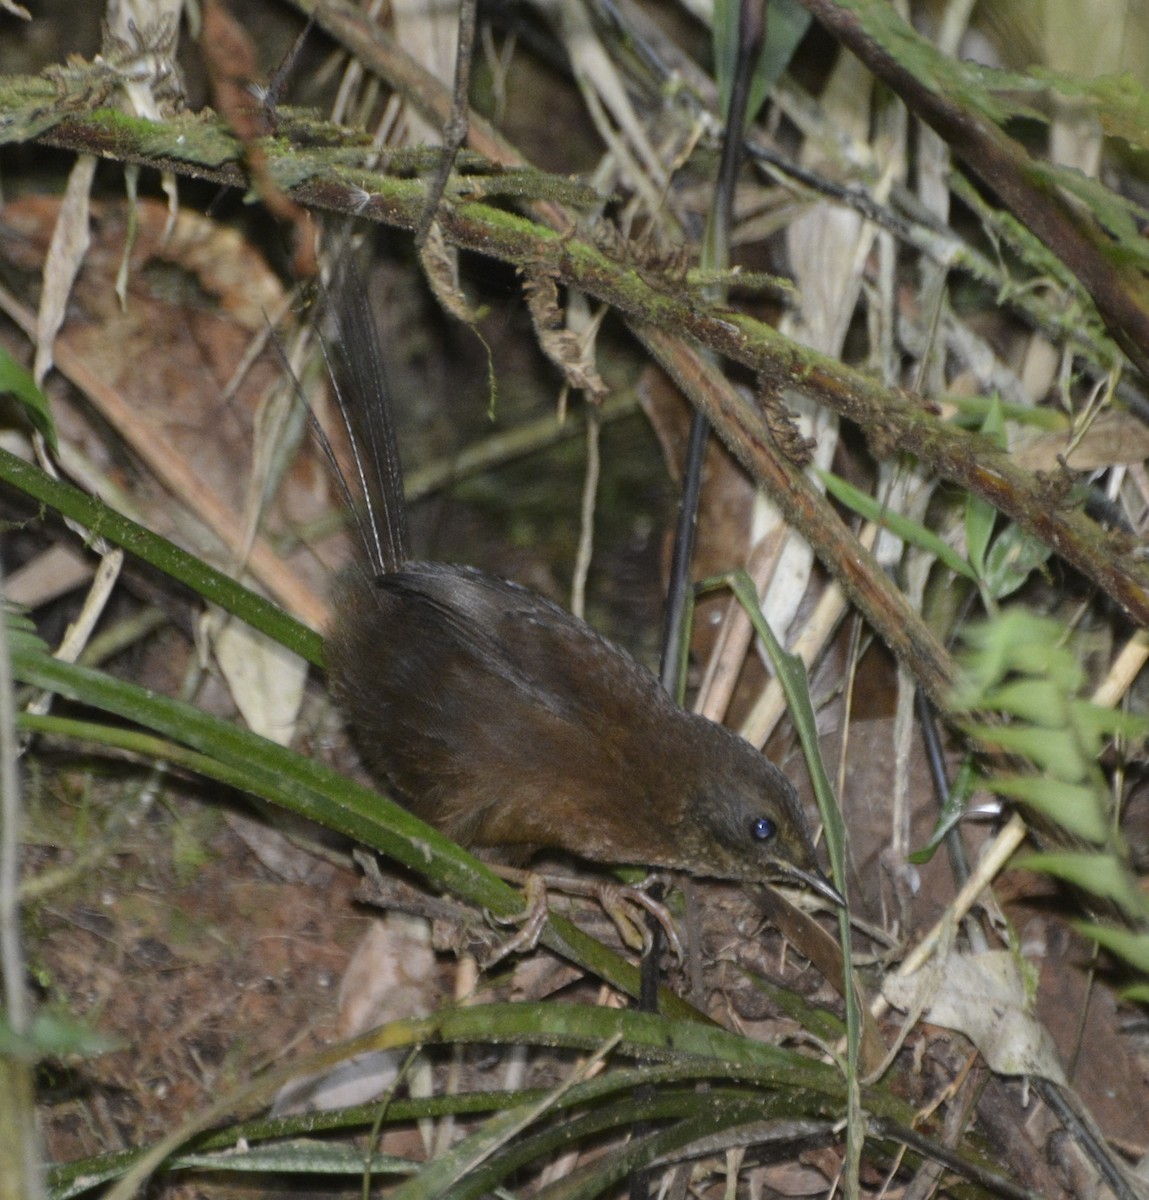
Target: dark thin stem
point(751, 35)
point(751, 30)
point(928, 1148)
point(1079, 1129)
point(955, 846)
point(673, 641)
point(455, 130)
point(752, 25)
point(277, 84)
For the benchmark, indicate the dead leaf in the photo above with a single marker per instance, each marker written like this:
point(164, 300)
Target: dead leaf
point(986, 997)
point(573, 355)
point(440, 263)
point(1114, 438)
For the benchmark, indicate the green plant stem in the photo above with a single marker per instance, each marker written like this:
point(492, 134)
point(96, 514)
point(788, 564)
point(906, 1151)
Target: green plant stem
point(20, 1163)
point(791, 674)
point(207, 582)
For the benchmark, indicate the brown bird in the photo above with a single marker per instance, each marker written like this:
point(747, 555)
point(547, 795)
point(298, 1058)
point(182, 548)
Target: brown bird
point(511, 725)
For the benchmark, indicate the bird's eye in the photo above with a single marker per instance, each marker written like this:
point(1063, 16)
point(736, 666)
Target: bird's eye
point(762, 829)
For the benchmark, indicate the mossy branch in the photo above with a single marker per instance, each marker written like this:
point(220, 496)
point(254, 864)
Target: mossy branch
point(327, 174)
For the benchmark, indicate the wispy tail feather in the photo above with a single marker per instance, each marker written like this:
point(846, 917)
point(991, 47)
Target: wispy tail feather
point(359, 383)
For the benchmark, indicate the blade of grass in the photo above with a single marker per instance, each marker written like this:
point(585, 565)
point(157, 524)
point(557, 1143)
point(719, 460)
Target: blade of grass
point(573, 1026)
point(15, 381)
point(207, 582)
point(791, 675)
point(462, 1161)
point(909, 531)
point(724, 1110)
point(62, 1178)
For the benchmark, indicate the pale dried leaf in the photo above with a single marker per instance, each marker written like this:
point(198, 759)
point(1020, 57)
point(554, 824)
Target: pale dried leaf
point(440, 264)
point(103, 584)
point(390, 976)
point(574, 356)
point(266, 680)
point(274, 850)
point(985, 996)
point(70, 241)
point(429, 33)
point(828, 248)
point(792, 1179)
point(59, 570)
point(1114, 438)
point(603, 87)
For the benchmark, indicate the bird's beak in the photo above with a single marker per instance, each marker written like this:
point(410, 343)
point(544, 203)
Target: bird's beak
point(817, 882)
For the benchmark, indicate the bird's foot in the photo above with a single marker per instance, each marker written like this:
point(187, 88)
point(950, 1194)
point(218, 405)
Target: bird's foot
point(618, 901)
point(530, 921)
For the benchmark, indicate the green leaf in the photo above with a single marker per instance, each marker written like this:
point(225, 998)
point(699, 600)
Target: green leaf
point(300, 1156)
point(460, 1163)
point(786, 25)
point(52, 1035)
point(22, 635)
point(16, 381)
point(1120, 102)
point(952, 812)
point(1098, 724)
point(1016, 640)
point(1012, 558)
point(212, 585)
point(1102, 875)
point(1048, 749)
point(600, 1175)
point(1132, 947)
point(1073, 806)
point(980, 518)
point(1036, 700)
point(993, 427)
point(724, 40)
point(1121, 218)
point(909, 531)
point(971, 411)
point(823, 1024)
point(980, 515)
point(791, 673)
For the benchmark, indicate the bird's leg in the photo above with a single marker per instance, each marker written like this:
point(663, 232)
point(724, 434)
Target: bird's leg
point(615, 899)
point(530, 921)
